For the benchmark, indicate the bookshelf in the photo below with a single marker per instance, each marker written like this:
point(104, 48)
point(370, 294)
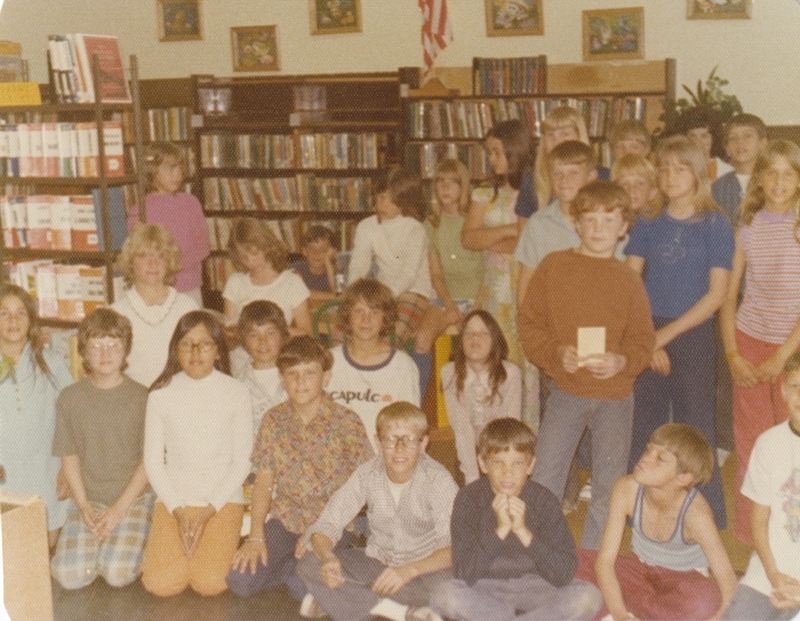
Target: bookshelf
point(62, 204)
point(446, 121)
point(293, 150)
point(167, 107)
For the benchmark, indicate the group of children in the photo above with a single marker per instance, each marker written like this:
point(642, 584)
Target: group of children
point(529, 271)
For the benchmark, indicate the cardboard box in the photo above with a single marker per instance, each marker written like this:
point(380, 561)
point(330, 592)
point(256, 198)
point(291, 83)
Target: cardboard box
point(27, 591)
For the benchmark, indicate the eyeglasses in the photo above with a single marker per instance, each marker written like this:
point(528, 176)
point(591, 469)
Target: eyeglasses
point(204, 347)
point(391, 442)
point(111, 346)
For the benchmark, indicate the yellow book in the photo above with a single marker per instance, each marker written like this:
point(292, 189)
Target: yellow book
point(20, 94)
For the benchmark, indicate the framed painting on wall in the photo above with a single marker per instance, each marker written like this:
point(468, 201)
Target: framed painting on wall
point(513, 17)
point(255, 48)
point(334, 16)
point(613, 34)
point(179, 20)
point(719, 9)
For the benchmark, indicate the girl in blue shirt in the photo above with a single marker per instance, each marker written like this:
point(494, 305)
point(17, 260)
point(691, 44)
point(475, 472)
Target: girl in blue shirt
point(684, 252)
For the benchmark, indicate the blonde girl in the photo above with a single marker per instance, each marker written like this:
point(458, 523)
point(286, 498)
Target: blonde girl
point(261, 261)
point(479, 385)
point(638, 177)
point(763, 330)
point(148, 262)
point(684, 253)
point(536, 191)
point(456, 273)
point(180, 213)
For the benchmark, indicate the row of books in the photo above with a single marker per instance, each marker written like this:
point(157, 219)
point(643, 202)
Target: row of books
point(52, 149)
point(51, 222)
point(168, 124)
point(299, 193)
point(247, 151)
point(72, 57)
point(219, 230)
point(509, 76)
point(422, 158)
point(471, 119)
point(279, 151)
point(247, 194)
point(68, 292)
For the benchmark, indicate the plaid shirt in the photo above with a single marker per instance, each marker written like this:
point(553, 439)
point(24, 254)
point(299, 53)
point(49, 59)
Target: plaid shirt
point(309, 462)
point(398, 534)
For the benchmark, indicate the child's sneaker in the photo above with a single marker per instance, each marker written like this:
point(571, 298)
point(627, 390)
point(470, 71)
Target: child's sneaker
point(310, 609)
point(586, 491)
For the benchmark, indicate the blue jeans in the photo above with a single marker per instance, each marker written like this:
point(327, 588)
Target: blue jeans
point(280, 568)
point(530, 594)
point(566, 417)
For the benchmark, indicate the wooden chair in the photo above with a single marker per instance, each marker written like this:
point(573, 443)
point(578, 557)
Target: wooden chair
point(323, 323)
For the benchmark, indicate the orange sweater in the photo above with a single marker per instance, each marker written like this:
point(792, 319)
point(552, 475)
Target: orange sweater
point(570, 290)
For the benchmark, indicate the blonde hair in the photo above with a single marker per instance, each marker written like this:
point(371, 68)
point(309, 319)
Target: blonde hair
point(632, 164)
point(630, 129)
point(141, 238)
point(690, 447)
point(256, 233)
point(401, 412)
point(454, 169)
point(687, 152)
point(754, 198)
point(562, 116)
point(155, 154)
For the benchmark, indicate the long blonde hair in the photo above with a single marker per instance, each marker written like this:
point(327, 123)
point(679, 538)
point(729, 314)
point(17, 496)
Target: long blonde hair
point(754, 198)
point(685, 151)
point(562, 116)
point(454, 169)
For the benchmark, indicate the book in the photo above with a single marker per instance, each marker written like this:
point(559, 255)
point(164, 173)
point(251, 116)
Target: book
point(117, 217)
point(50, 150)
point(46, 290)
point(114, 149)
point(39, 217)
point(60, 222)
point(83, 226)
point(111, 86)
point(10, 61)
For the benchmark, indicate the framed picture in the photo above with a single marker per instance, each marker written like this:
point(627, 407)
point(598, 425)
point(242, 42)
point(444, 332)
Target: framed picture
point(613, 34)
point(514, 17)
point(255, 48)
point(179, 20)
point(334, 16)
point(719, 9)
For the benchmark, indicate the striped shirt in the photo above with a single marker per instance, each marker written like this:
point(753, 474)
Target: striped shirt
point(771, 303)
point(412, 529)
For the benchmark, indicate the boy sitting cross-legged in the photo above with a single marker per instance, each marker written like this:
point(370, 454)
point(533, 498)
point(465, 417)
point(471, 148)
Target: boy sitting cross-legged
point(586, 322)
point(674, 539)
point(512, 549)
point(305, 450)
point(409, 498)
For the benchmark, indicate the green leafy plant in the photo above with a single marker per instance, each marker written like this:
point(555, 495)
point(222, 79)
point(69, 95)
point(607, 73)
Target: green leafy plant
point(709, 94)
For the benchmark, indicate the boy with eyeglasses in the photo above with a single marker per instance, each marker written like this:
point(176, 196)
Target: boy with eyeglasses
point(99, 437)
point(409, 498)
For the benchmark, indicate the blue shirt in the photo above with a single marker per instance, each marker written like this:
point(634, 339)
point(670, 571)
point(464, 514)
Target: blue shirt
point(679, 255)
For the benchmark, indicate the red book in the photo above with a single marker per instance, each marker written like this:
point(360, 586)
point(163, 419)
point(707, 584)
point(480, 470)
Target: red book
point(112, 86)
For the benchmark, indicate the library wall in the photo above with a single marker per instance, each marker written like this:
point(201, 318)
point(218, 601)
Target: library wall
point(756, 55)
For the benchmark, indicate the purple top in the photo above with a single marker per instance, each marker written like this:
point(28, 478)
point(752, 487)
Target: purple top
point(182, 215)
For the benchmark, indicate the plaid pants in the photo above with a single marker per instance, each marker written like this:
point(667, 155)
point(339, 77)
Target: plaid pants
point(80, 556)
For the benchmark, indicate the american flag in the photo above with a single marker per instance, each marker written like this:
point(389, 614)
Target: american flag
point(436, 30)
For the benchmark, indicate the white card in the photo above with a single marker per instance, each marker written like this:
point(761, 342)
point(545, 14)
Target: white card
point(591, 342)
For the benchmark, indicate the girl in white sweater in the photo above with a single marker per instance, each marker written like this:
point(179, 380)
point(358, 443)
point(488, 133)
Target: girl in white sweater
point(198, 439)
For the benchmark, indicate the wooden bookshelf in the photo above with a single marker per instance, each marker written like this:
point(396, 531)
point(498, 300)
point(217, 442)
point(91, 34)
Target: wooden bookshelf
point(22, 240)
